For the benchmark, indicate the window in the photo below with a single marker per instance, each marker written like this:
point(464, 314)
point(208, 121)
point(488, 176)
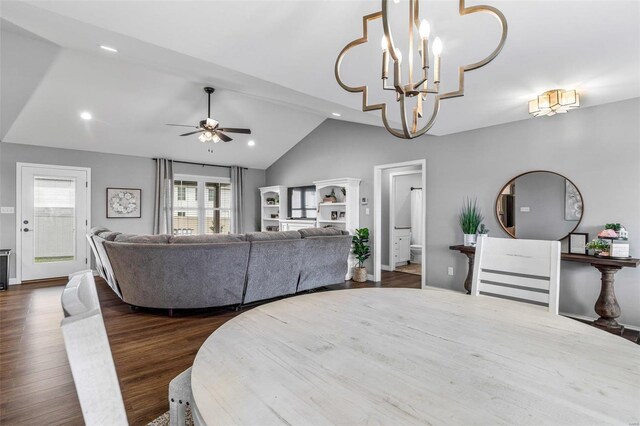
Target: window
point(302, 202)
point(201, 205)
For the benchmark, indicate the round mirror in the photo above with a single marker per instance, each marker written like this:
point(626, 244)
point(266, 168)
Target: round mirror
point(539, 205)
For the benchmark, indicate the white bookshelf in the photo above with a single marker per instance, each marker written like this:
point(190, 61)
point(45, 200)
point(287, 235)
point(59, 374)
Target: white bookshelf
point(344, 213)
point(269, 208)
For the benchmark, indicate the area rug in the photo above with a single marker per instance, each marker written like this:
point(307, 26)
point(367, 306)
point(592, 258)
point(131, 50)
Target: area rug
point(412, 268)
point(163, 420)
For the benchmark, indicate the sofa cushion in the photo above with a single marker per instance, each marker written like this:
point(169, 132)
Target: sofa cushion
point(273, 236)
point(108, 235)
point(98, 229)
point(206, 239)
point(142, 239)
point(320, 232)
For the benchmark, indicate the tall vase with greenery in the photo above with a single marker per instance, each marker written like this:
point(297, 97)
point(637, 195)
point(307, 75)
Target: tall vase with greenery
point(470, 218)
point(362, 252)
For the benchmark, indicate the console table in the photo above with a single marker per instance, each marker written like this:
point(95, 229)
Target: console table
point(606, 306)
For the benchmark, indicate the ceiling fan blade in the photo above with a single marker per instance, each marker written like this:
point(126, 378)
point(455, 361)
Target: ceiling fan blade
point(192, 133)
point(182, 125)
point(233, 130)
point(223, 137)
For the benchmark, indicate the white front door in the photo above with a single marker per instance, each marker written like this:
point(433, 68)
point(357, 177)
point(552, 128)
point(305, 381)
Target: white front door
point(53, 221)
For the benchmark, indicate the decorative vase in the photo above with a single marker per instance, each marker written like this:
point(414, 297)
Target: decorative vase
point(470, 239)
point(482, 235)
point(359, 274)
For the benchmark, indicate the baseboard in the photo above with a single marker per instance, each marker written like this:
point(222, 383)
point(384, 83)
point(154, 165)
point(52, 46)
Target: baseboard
point(587, 318)
point(386, 268)
point(14, 281)
point(370, 277)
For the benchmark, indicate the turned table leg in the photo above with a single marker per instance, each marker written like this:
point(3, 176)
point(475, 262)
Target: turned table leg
point(467, 281)
point(607, 305)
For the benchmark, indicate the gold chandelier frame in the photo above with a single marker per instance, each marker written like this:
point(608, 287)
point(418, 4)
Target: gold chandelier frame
point(413, 89)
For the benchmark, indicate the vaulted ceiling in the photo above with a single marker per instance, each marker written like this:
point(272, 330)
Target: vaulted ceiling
point(272, 65)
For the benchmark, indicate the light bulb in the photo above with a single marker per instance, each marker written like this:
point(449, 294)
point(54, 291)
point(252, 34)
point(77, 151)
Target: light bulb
point(396, 1)
point(85, 115)
point(425, 29)
point(202, 138)
point(216, 139)
point(383, 43)
point(208, 134)
point(437, 46)
point(398, 54)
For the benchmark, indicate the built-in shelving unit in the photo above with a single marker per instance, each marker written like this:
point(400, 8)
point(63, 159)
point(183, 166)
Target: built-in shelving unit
point(342, 213)
point(273, 207)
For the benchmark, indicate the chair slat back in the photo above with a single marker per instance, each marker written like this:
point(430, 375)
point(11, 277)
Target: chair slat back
point(521, 270)
point(87, 345)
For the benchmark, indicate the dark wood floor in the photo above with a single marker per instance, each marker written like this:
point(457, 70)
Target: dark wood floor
point(149, 349)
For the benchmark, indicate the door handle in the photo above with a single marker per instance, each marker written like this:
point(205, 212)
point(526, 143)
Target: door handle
point(27, 229)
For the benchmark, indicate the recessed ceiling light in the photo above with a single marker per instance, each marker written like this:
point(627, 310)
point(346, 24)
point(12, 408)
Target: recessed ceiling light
point(108, 49)
point(85, 115)
point(251, 143)
point(336, 114)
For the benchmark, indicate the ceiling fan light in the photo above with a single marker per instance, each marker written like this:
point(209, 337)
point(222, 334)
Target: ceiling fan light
point(208, 134)
point(212, 123)
point(216, 138)
point(202, 138)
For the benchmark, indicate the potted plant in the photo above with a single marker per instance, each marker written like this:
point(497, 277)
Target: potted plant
point(483, 231)
point(330, 198)
point(470, 218)
point(600, 247)
point(362, 252)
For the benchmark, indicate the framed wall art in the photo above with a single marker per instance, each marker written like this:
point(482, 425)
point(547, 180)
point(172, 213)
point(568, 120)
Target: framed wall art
point(124, 203)
point(577, 242)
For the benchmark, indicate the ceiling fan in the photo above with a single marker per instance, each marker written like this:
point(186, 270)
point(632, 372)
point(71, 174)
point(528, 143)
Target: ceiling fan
point(209, 128)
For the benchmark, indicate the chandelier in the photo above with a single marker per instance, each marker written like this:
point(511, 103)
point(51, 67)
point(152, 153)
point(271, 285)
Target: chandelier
point(428, 81)
point(554, 102)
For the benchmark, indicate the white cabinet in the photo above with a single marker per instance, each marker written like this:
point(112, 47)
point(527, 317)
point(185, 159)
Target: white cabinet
point(273, 207)
point(401, 246)
point(296, 224)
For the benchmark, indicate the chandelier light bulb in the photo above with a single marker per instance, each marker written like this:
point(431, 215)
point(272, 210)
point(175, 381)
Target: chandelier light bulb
point(208, 134)
point(216, 139)
point(202, 138)
point(398, 54)
point(437, 46)
point(383, 43)
point(425, 29)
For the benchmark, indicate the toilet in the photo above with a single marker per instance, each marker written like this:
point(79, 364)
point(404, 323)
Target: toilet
point(416, 253)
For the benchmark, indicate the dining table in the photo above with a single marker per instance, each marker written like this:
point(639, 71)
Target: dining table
point(400, 356)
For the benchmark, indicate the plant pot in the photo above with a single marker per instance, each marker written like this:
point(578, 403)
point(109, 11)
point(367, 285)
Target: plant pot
point(329, 199)
point(359, 274)
point(470, 239)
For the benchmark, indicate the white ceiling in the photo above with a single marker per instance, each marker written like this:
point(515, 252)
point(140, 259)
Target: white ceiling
point(272, 64)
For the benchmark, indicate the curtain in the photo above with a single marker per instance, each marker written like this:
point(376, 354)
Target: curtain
point(416, 217)
point(237, 195)
point(163, 205)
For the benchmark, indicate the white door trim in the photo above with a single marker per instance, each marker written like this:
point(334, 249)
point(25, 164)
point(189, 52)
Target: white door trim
point(377, 215)
point(392, 212)
point(19, 167)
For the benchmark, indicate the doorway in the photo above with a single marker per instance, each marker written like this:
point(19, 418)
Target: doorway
point(392, 240)
point(53, 210)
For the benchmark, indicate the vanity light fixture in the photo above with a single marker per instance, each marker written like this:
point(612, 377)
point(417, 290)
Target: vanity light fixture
point(421, 84)
point(554, 102)
point(108, 48)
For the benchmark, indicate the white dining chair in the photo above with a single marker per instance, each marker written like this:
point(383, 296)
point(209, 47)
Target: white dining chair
point(520, 270)
point(180, 398)
point(87, 345)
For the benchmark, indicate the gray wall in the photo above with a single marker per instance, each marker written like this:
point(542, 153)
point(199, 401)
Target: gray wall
point(544, 194)
point(478, 163)
point(107, 170)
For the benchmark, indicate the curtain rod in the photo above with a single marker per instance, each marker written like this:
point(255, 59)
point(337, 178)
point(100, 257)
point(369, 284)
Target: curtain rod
point(412, 188)
point(201, 164)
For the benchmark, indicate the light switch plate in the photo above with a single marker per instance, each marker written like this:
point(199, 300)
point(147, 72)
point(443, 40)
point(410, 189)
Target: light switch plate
point(450, 270)
point(525, 209)
point(7, 210)
point(366, 211)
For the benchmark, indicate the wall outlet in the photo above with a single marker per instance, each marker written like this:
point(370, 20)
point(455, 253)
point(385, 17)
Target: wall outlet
point(450, 270)
point(7, 210)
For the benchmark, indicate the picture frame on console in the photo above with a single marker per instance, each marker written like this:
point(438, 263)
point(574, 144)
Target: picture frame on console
point(578, 242)
point(124, 203)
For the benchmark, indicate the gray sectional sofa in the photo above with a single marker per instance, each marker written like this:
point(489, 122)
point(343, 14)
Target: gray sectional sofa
point(202, 271)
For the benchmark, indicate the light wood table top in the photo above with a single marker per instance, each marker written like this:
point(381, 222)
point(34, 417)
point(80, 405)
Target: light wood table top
point(405, 356)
